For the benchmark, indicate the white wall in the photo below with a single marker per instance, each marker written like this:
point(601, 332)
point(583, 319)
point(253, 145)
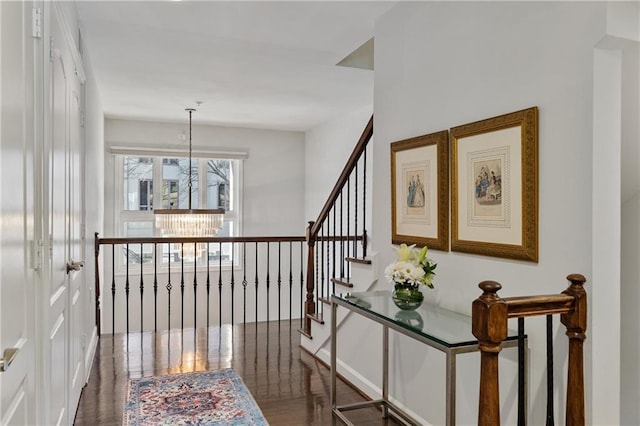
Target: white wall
point(273, 205)
point(454, 63)
point(630, 193)
point(94, 198)
point(327, 149)
point(630, 318)
point(275, 162)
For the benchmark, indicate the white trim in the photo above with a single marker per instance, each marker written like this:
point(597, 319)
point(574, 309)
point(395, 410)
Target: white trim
point(197, 152)
point(70, 40)
point(90, 353)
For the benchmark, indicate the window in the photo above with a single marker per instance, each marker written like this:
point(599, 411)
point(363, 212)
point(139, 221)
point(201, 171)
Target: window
point(146, 194)
point(216, 187)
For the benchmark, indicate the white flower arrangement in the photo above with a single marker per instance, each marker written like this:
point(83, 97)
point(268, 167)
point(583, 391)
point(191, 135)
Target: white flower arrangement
point(413, 267)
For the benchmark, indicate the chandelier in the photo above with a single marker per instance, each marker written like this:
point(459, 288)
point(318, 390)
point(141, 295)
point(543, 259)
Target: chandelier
point(189, 222)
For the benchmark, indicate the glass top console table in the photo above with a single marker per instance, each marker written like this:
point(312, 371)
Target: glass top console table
point(442, 329)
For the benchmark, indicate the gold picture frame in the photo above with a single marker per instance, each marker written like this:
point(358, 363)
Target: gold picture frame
point(494, 181)
point(420, 191)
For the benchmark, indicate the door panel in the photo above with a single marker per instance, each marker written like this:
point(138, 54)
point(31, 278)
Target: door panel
point(16, 210)
point(59, 231)
point(77, 278)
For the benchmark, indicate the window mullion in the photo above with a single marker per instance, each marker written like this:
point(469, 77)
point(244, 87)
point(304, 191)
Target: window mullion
point(203, 184)
point(157, 183)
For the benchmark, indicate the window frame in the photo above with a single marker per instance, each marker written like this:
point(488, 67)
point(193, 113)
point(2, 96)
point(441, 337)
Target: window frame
point(122, 216)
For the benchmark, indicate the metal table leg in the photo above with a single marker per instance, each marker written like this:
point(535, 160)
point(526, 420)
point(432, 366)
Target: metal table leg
point(385, 370)
point(451, 388)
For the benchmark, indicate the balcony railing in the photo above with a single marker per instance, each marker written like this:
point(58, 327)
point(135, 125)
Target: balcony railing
point(164, 283)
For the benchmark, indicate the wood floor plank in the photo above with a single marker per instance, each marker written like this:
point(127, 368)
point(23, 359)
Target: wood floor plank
point(289, 385)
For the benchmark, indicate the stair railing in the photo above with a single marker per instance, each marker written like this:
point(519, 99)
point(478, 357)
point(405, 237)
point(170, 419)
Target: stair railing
point(489, 323)
point(339, 234)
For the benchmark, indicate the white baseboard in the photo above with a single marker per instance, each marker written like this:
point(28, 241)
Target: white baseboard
point(90, 353)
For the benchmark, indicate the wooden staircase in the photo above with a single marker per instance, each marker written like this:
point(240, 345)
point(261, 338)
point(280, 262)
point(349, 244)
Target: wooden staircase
point(337, 239)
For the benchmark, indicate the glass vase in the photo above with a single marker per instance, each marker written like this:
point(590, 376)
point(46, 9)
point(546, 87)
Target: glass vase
point(407, 297)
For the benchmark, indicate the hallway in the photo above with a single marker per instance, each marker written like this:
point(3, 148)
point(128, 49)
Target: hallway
point(289, 385)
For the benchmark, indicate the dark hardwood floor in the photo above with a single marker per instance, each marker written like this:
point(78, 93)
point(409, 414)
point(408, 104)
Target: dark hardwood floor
point(290, 386)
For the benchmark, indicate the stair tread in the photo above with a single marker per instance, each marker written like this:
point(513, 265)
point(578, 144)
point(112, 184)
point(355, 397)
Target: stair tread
point(360, 260)
point(342, 281)
point(316, 318)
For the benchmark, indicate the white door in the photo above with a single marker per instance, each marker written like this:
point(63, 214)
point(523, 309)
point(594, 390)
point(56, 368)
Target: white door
point(56, 366)
point(17, 276)
point(78, 287)
point(64, 351)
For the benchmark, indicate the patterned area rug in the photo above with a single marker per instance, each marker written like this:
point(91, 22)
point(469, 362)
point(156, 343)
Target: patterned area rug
point(200, 398)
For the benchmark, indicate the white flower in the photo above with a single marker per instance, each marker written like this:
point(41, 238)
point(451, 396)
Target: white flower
point(412, 267)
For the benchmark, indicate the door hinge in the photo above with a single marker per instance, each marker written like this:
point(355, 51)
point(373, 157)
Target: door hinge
point(51, 51)
point(36, 22)
point(83, 119)
point(36, 254)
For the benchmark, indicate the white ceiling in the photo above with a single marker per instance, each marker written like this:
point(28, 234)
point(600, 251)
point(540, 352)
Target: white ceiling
point(260, 64)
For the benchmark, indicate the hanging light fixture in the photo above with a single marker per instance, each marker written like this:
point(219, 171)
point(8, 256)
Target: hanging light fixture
point(189, 222)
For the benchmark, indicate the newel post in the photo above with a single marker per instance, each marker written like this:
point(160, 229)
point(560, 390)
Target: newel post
point(576, 323)
point(489, 319)
point(309, 304)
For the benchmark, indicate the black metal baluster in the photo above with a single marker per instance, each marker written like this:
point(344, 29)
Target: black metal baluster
point(355, 213)
point(113, 288)
point(326, 285)
point(126, 289)
point(155, 286)
point(364, 204)
point(348, 220)
point(169, 287)
point(208, 284)
point(195, 284)
point(550, 420)
point(290, 280)
point(233, 283)
point(141, 288)
point(320, 291)
point(182, 285)
point(256, 319)
point(268, 281)
point(244, 283)
point(521, 374)
point(220, 283)
point(302, 295)
point(341, 237)
point(279, 282)
point(318, 264)
point(333, 252)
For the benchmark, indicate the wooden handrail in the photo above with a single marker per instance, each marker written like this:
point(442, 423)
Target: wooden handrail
point(159, 240)
point(367, 133)
point(489, 325)
point(530, 306)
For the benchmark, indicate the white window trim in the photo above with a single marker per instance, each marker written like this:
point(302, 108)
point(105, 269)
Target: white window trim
point(121, 215)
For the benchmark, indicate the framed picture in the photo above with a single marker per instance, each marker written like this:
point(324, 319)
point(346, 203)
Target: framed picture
point(494, 182)
point(420, 191)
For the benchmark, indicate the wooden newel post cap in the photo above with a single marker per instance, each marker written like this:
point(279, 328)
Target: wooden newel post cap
point(489, 317)
point(577, 279)
point(490, 287)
